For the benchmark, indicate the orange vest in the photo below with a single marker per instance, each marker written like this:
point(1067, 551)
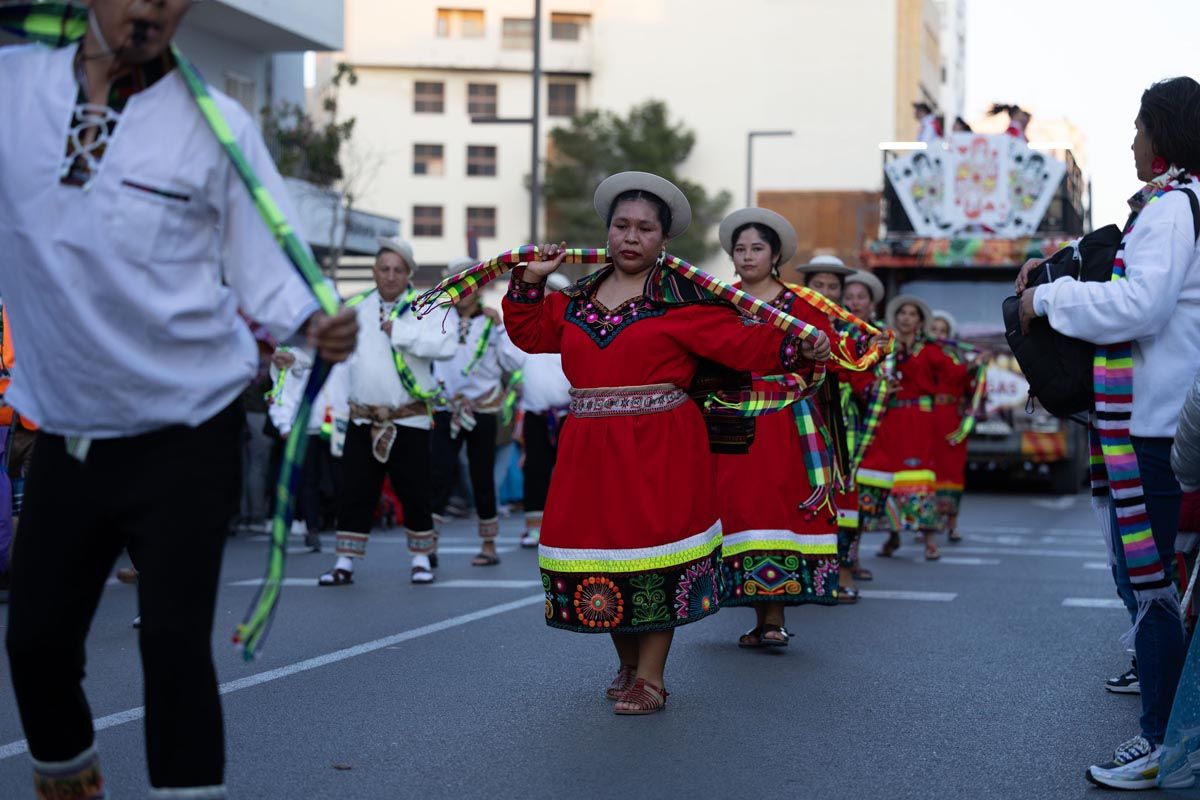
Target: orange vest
point(6, 364)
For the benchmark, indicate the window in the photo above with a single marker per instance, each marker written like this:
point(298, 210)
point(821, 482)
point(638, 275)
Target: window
point(429, 97)
point(481, 159)
point(428, 159)
point(481, 221)
point(241, 89)
point(569, 27)
point(562, 99)
point(427, 221)
point(459, 23)
point(481, 99)
point(516, 33)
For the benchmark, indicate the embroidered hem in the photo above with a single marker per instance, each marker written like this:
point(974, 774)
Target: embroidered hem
point(779, 576)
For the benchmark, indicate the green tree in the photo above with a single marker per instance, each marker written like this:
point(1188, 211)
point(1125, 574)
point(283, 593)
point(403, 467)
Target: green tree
point(600, 143)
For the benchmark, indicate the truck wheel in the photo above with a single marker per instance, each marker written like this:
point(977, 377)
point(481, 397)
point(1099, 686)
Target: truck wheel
point(1066, 477)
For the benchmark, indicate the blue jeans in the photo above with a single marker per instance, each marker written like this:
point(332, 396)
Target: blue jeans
point(1159, 645)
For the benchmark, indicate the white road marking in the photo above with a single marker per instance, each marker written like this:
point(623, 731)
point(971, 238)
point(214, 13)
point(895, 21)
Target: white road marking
point(890, 594)
point(131, 715)
point(961, 561)
point(467, 583)
point(1028, 551)
point(968, 529)
point(286, 582)
point(1057, 503)
point(1093, 602)
point(1097, 565)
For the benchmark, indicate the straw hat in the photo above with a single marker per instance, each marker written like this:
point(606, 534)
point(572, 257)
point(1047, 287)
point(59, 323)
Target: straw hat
point(762, 216)
point(400, 246)
point(873, 284)
point(614, 185)
point(830, 264)
point(905, 300)
point(951, 322)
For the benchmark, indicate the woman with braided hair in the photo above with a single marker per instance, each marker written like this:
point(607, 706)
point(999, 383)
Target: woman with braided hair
point(777, 550)
point(631, 535)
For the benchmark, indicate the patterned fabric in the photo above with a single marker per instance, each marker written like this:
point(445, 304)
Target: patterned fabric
point(780, 576)
point(1114, 464)
point(76, 779)
point(623, 401)
point(633, 602)
point(419, 542)
point(352, 545)
point(603, 324)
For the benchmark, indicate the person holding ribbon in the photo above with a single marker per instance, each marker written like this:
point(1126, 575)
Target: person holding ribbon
point(391, 395)
point(544, 401)
point(123, 214)
point(862, 293)
point(631, 536)
point(471, 380)
point(899, 464)
point(777, 515)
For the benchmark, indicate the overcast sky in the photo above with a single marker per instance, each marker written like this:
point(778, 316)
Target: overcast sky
point(1087, 61)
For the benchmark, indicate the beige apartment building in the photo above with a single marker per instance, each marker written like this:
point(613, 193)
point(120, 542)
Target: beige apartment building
point(839, 75)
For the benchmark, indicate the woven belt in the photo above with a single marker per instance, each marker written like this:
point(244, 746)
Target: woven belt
point(381, 414)
point(924, 403)
point(624, 401)
point(945, 400)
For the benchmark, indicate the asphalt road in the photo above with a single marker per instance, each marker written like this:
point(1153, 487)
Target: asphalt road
point(979, 676)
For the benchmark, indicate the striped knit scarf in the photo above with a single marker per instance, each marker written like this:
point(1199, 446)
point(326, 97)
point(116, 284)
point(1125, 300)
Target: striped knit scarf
point(1116, 480)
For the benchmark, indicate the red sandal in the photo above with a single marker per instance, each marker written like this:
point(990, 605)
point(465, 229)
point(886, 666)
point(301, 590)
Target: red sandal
point(646, 697)
point(622, 683)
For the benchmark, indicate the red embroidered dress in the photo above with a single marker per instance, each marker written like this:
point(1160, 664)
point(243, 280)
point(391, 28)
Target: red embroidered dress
point(631, 537)
point(774, 550)
point(900, 462)
point(950, 460)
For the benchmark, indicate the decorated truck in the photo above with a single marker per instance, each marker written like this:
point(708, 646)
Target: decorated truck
point(959, 218)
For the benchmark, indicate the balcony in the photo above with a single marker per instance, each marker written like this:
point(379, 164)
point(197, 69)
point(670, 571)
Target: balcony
point(276, 26)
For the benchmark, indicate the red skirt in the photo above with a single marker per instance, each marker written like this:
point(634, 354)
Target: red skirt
point(900, 463)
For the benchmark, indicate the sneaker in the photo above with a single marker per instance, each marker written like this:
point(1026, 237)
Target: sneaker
point(1133, 766)
point(422, 570)
point(1127, 683)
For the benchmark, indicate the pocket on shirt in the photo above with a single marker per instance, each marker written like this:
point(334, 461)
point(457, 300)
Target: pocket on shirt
point(156, 221)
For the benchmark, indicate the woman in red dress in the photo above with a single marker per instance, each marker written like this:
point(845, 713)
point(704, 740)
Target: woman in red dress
point(900, 462)
point(776, 552)
point(631, 536)
point(954, 388)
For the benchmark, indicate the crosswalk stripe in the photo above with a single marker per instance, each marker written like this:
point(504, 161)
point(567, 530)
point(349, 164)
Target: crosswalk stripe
point(960, 561)
point(467, 583)
point(1027, 551)
point(286, 582)
point(1097, 565)
point(893, 594)
point(1093, 602)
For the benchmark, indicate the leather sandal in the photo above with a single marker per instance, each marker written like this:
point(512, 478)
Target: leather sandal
point(645, 697)
point(485, 560)
point(954, 536)
point(847, 595)
point(773, 641)
point(931, 552)
point(861, 574)
point(621, 684)
point(751, 639)
point(889, 547)
point(336, 577)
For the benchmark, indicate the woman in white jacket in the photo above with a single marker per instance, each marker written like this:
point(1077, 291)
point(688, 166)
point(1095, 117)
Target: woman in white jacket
point(1146, 325)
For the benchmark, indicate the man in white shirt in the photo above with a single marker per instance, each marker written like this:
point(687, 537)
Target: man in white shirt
point(474, 393)
point(127, 244)
point(929, 126)
point(545, 399)
point(391, 387)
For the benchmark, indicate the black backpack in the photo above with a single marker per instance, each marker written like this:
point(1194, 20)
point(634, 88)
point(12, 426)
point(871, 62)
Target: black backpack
point(1059, 367)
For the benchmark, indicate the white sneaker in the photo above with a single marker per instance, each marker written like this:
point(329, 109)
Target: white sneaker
point(1134, 765)
point(422, 572)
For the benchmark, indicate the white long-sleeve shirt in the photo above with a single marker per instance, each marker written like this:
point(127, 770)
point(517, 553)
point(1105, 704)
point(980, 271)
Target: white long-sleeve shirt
point(1157, 307)
point(544, 385)
point(124, 294)
point(372, 376)
point(332, 399)
point(483, 382)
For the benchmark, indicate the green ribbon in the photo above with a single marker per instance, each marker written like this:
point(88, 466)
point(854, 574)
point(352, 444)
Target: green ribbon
point(480, 347)
point(408, 378)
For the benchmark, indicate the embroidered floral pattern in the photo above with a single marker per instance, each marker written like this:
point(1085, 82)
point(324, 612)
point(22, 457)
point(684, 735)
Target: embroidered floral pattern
point(696, 592)
point(790, 355)
point(778, 577)
point(521, 291)
point(783, 300)
point(603, 324)
point(598, 603)
point(649, 601)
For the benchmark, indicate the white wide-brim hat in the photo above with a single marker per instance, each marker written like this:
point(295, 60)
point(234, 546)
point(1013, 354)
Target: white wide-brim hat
point(762, 216)
point(907, 300)
point(951, 322)
point(830, 264)
point(663, 189)
point(873, 284)
point(400, 246)
point(457, 265)
point(557, 282)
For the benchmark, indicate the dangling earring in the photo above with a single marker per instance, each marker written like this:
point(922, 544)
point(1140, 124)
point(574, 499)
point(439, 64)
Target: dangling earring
point(1159, 165)
point(662, 257)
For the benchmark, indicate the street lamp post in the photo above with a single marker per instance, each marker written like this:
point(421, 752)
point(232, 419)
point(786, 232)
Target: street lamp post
point(750, 136)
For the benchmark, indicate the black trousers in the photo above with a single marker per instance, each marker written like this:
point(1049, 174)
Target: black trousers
point(362, 480)
point(481, 462)
point(321, 479)
point(539, 461)
point(167, 497)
